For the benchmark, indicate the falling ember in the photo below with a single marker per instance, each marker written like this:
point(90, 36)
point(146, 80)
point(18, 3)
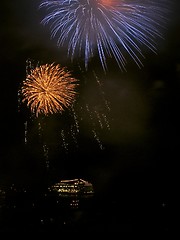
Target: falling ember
point(46, 150)
point(97, 139)
point(25, 132)
point(49, 89)
point(65, 144)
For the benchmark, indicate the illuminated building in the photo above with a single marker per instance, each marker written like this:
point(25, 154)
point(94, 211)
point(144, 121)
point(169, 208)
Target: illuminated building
point(73, 187)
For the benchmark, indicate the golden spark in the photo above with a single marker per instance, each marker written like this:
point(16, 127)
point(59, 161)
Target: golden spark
point(49, 89)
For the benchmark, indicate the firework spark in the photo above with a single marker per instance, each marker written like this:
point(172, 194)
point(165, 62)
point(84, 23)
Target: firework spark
point(109, 27)
point(49, 89)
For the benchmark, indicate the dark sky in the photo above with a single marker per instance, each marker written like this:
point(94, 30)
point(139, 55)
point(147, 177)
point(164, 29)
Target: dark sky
point(143, 142)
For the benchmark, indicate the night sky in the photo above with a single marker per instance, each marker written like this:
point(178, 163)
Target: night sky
point(141, 149)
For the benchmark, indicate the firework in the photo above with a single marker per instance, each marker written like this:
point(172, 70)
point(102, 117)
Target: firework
point(49, 89)
point(112, 28)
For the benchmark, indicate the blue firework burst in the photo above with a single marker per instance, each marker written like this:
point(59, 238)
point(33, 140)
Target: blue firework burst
point(106, 27)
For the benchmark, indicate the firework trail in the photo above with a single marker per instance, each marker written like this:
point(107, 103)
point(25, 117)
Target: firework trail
point(93, 109)
point(49, 89)
point(90, 112)
point(111, 28)
point(89, 115)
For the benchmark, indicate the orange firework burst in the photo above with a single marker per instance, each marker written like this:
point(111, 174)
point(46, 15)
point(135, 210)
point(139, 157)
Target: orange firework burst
point(107, 2)
point(49, 89)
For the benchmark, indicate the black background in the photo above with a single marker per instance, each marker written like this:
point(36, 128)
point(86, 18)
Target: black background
point(139, 162)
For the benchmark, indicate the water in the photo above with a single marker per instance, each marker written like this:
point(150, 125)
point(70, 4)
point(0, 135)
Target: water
point(44, 212)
